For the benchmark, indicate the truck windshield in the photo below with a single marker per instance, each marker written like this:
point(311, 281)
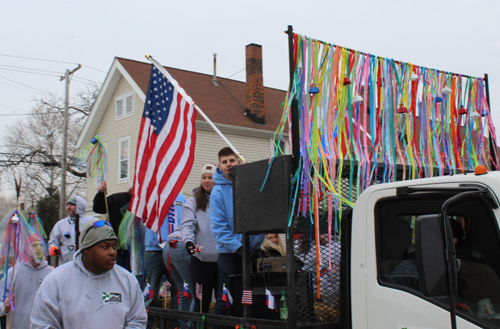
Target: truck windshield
point(476, 236)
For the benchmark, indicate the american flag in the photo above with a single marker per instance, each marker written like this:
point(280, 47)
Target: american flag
point(165, 150)
point(198, 291)
point(247, 297)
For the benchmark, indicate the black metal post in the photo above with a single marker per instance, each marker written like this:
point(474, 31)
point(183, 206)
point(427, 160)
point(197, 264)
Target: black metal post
point(290, 277)
point(77, 232)
point(295, 108)
point(493, 147)
point(246, 275)
point(296, 158)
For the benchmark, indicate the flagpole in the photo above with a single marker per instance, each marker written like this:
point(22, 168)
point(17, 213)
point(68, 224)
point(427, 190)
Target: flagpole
point(191, 102)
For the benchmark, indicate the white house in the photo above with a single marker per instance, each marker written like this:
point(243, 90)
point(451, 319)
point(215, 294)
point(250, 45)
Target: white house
point(246, 113)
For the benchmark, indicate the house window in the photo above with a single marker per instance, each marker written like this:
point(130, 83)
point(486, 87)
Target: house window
point(284, 149)
point(124, 159)
point(125, 105)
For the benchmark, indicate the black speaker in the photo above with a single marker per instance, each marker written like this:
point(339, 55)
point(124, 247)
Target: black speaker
point(267, 210)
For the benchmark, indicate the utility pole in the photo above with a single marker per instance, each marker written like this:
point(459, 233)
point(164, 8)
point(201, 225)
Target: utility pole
point(64, 164)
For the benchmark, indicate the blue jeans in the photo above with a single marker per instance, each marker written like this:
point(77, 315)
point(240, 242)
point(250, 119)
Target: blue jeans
point(155, 270)
point(228, 264)
point(179, 267)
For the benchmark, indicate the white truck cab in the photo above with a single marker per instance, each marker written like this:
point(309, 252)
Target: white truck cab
point(399, 276)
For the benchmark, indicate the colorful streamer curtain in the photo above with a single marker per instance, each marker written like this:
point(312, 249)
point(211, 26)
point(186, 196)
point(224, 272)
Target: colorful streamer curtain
point(386, 120)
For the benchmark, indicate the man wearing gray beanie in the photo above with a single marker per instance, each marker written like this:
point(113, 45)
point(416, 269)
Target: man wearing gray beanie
point(90, 291)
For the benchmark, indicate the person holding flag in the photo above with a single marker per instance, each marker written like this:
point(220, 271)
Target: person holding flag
point(154, 265)
point(116, 204)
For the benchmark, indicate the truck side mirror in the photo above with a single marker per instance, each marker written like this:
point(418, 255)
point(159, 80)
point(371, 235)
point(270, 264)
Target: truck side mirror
point(430, 255)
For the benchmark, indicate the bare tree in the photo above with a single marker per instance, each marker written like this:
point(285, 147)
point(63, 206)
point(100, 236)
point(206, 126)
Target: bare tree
point(34, 146)
point(7, 204)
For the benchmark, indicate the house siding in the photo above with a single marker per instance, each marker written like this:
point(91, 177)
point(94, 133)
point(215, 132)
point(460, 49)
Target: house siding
point(253, 144)
point(208, 144)
point(112, 130)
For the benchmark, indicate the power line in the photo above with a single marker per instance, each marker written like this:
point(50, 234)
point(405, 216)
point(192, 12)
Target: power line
point(51, 75)
point(53, 61)
point(243, 69)
point(22, 84)
point(14, 114)
point(31, 91)
point(28, 68)
point(80, 78)
point(14, 108)
point(38, 59)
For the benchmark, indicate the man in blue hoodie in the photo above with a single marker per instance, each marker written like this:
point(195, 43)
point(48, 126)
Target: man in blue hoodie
point(90, 291)
point(229, 244)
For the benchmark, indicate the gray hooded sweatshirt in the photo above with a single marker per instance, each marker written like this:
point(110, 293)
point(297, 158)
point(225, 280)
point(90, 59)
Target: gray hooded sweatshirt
point(26, 281)
point(196, 228)
point(63, 233)
point(73, 298)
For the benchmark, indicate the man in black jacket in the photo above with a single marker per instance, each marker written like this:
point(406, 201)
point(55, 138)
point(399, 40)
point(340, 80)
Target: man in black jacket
point(117, 205)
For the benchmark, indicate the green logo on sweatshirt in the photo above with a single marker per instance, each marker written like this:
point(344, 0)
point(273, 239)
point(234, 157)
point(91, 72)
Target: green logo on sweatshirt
point(112, 297)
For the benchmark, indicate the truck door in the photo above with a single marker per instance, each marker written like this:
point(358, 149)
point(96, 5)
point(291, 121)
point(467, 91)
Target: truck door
point(393, 293)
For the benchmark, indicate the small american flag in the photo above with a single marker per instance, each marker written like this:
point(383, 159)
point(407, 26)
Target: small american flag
point(247, 297)
point(198, 291)
point(165, 149)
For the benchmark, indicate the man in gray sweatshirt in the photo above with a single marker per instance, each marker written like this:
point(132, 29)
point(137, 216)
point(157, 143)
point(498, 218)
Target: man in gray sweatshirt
point(22, 282)
point(90, 291)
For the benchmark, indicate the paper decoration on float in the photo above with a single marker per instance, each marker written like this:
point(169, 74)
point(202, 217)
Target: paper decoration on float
point(95, 158)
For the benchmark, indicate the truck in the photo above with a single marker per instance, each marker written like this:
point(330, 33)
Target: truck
point(405, 253)
point(406, 249)
point(392, 221)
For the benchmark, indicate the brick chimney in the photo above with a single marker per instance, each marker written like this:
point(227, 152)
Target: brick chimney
point(255, 84)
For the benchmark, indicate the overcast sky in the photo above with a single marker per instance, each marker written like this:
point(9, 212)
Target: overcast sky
point(458, 36)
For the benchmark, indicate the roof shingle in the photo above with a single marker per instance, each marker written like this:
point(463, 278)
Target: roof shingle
point(224, 104)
